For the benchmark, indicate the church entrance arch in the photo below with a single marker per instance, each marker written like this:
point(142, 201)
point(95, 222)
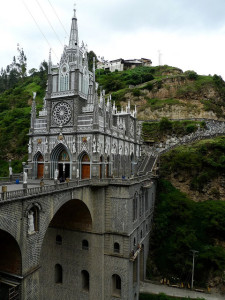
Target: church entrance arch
point(85, 166)
point(39, 165)
point(10, 266)
point(61, 160)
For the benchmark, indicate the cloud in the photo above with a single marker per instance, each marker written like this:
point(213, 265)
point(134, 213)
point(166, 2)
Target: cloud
point(190, 33)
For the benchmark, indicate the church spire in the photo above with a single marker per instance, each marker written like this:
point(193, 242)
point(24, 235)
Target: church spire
point(74, 32)
point(50, 62)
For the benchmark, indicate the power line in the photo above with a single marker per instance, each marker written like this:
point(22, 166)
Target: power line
point(39, 29)
point(58, 17)
point(49, 22)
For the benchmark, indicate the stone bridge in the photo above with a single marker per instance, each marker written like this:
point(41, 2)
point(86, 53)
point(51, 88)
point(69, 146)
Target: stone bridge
point(36, 222)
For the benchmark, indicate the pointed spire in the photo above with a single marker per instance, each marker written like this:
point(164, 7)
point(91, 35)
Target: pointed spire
point(108, 104)
point(73, 43)
point(94, 69)
point(50, 62)
point(33, 111)
point(128, 107)
point(114, 107)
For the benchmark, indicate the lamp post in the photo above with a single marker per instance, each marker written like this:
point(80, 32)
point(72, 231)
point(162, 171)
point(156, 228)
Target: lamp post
point(194, 252)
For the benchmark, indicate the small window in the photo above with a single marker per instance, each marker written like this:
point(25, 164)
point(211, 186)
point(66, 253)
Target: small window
point(116, 285)
point(85, 280)
point(58, 274)
point(117, 248)
point(134, 242)
point(85, 245)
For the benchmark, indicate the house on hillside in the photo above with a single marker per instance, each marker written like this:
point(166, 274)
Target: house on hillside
point(123, 64)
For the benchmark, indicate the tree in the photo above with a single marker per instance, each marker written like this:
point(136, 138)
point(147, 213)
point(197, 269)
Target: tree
point(21, 63)
point(90, 56)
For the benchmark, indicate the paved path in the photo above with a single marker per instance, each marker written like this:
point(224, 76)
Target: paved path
point(147, 287)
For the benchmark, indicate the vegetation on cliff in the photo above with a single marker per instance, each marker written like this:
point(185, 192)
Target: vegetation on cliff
point(200, 163)
point(159, 90)
point(158, 131)
point(181, 225)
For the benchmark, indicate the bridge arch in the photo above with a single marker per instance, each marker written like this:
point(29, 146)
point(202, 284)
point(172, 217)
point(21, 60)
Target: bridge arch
point(73, 222)
point(10, 254)
point(73, 215)
point(61, 159)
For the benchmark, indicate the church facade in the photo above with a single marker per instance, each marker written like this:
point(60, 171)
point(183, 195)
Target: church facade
point(78, 133)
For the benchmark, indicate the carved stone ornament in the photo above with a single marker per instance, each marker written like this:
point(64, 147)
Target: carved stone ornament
point(62, 113)
point(39, 141)
point(60, 137)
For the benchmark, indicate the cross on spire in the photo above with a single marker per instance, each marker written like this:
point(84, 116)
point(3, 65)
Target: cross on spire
point(74, 9)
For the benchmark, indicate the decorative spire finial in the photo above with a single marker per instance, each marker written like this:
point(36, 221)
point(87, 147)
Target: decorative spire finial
point(73, 42)
point(74, 10)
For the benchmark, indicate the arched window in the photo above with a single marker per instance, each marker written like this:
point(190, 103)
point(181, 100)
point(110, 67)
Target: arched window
point(116, 285)
point(85, 245)
point(134, 242)
point(58, 240)
point(116, 247)
point(107, 168)
point(85, 280)
point(58, 273)
point(141, 234)
point(135, 207)
point(64, 156)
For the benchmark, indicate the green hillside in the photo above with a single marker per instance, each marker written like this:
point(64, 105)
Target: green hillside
point(180, 223)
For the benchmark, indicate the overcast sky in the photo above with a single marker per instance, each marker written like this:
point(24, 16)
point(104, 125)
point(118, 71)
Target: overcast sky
point(190, 34)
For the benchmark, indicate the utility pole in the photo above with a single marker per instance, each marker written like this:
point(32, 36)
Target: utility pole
point(160, 54)
point(194, 252)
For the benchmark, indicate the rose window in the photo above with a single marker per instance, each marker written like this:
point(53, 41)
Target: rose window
point(62, 113)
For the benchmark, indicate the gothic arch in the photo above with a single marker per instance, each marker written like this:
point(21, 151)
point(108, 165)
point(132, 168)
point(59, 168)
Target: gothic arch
point(38, 160)
point(84, 165)
point(54, 158)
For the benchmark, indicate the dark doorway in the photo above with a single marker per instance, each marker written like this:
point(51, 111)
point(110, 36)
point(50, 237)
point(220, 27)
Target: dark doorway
point(67, 171)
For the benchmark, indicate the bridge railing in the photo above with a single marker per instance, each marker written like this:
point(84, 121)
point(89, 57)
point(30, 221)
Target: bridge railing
point(25, 192)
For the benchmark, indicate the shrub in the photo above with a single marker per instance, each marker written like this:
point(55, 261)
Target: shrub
point(165, 124)
point(136, 92)
point(192, 75)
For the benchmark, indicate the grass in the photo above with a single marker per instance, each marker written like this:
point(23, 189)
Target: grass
point(158, 131)
point(156, 104)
